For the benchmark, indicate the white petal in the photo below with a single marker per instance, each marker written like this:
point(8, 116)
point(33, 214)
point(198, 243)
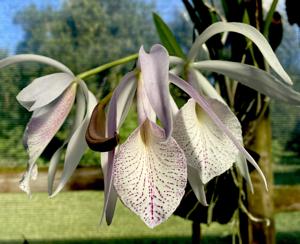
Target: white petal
point(79, 116)
point(144, 108)
point(30, 174)
point(212, 114)
point(43, 125)
point(202, 85)
point(254, 78)
point(150, 174)
point(206, 146)
point(53, 168)
point(77, 144)
point(125, 99)
point(117, 109)
point(242, 166)
point(110, 198)
point(154, 72)
point(253, 34)
point(44, 90)
point(194, 178)
point(34, 58)
point(120, 102)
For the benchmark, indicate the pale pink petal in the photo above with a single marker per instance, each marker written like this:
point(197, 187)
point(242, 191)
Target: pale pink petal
point(144, 108)
point(154, 73)
point(79, 116)
point(150, 174)
point(77, 144)
point(206, 146)
point(42, 127)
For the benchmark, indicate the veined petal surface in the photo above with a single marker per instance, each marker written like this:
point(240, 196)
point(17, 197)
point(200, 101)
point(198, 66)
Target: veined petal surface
point(79, 116)
point(42, 127)
point(150, 174)
point(205, 105)
point(206, 146)
point(44, 90)
point(77, 144)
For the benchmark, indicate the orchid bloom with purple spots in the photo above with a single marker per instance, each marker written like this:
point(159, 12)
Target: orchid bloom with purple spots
point(209, 152)
point(51, 98)
point(150, 169)
point(170, 146)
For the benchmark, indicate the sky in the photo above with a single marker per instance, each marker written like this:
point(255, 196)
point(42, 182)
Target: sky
point(11, 34)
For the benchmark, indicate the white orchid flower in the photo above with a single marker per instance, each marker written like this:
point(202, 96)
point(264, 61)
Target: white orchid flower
point(209, 152)
point(51, 98)
point(148, 170)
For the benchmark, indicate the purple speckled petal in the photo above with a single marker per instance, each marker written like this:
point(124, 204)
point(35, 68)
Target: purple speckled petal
point(150, 174)
point(154, 75)
point(206, 146)
point(210, 112)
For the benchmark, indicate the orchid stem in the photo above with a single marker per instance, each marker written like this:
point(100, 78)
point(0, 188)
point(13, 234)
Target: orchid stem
point(107, 66)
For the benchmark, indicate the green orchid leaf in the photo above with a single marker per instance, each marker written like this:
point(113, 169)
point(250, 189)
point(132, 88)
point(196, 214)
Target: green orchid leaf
point(167, 38)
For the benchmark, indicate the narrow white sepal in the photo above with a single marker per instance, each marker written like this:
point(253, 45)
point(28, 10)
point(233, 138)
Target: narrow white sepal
point(247, 30)
point(34, 58)
point(194, 178)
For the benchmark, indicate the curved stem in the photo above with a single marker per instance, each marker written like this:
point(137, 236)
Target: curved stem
point(107, 66)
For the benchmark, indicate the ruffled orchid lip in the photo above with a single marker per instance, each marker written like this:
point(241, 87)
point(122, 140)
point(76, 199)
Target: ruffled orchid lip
point(150, 174)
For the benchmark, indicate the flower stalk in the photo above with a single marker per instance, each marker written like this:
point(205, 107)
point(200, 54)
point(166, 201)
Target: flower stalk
point(106, 66)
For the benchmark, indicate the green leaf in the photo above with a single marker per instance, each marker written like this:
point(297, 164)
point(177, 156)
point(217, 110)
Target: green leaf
point(167, 38)
point(269, 17)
